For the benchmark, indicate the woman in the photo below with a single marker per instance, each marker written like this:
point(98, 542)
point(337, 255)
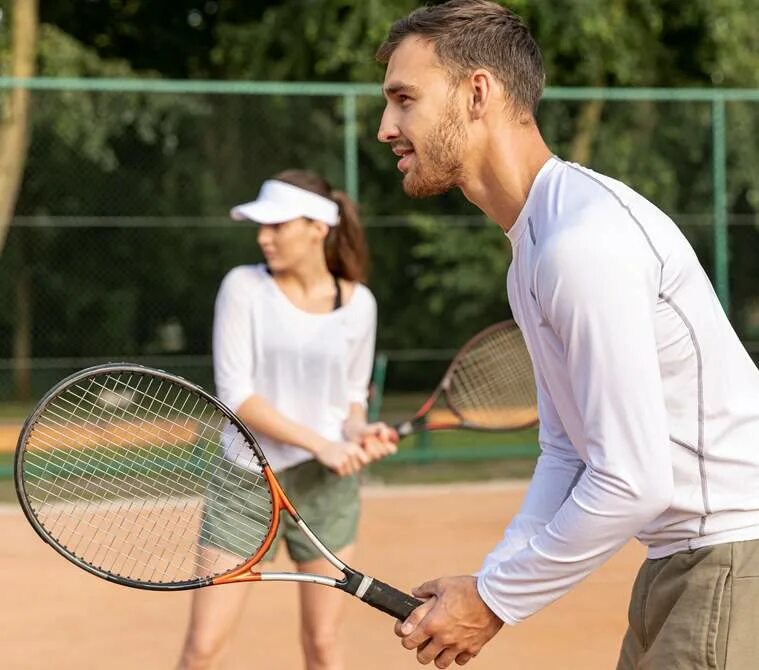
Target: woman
point(293, 350)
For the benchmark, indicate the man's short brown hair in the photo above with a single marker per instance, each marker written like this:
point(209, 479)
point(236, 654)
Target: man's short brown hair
point(469, 34)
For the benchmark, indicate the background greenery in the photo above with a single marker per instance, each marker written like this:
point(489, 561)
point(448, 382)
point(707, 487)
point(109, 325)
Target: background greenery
point(121, 235)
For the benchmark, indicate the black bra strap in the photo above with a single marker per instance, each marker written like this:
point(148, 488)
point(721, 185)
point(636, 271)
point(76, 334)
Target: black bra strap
point(338, 291)
point(338, 294)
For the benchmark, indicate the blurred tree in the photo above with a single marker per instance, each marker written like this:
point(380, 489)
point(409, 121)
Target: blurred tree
point(164, 155)
point(17, 59)
point(68, 291)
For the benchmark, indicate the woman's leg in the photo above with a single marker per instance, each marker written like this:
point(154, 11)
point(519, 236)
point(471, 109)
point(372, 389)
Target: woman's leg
point(321, 610)
point(215, 610)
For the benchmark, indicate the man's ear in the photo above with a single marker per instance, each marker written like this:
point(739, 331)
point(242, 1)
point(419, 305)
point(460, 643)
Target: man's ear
point(483, 88)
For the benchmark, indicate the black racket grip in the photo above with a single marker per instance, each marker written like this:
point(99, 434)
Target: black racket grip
point(390, 600)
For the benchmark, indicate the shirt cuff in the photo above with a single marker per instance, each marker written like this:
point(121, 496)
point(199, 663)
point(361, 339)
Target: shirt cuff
point(358, 397)
point(235, 399)
point(491, 602)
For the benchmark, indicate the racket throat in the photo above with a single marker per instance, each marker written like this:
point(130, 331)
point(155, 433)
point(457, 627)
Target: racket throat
point(297, 577)
point(405, 428)
point(411, 426)
point(355, 583)
point(333, 560)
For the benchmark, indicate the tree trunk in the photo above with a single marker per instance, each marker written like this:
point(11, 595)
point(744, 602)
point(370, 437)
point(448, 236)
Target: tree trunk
point(22, 334)
point(14, 140)
point(14, 121)
point(588, 124)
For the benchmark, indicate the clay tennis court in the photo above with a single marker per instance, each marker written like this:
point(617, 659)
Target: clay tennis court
point(54, 615)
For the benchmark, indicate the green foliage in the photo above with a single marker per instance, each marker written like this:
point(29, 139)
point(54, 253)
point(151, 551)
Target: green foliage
point(462, 270)
point(309, 39)
point(5, 35)
point(87, 124)
point(182, 157)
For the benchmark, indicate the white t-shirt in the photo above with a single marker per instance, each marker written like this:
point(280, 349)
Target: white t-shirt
point(310, 367)
point(648, 402)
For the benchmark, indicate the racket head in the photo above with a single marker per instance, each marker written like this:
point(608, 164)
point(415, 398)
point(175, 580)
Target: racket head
point(120, 468)
point(490, 383)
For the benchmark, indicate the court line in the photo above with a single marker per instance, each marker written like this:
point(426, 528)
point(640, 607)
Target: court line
point(377, 490)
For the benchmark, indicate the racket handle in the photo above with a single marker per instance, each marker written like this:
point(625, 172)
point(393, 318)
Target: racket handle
point(390, 600)
point(403, 429)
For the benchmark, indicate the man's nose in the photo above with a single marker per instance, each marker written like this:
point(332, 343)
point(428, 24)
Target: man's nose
point(388, 129)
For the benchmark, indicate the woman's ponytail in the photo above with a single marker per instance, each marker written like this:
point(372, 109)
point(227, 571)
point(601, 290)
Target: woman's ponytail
point(345, 245)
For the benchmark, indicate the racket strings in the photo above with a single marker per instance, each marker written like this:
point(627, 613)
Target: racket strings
point(130, 506)
point(120, 490)
point(492, 384)
point(117, 471)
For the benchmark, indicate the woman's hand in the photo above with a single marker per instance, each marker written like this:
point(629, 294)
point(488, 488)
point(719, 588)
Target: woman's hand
point(377, 439)
point(345, 458)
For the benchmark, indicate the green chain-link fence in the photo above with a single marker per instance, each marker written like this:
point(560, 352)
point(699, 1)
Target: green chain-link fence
point(121, 233)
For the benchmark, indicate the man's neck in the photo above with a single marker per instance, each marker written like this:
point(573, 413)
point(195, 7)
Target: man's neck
point(501, 181)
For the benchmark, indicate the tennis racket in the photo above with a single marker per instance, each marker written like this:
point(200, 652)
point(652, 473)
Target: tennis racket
point(488, 386)
point(144, 479)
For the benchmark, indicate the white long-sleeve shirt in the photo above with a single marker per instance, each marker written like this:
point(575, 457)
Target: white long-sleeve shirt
point(648, 402)
point(310, 367)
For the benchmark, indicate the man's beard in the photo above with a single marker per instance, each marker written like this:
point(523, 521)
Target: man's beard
point(440, 169)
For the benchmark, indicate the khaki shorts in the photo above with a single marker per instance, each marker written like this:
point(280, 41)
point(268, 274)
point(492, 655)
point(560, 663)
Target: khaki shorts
point(328, 503)
point(696, 610)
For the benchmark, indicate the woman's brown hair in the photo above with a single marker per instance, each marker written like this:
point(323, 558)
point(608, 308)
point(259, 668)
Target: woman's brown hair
point(345, 245)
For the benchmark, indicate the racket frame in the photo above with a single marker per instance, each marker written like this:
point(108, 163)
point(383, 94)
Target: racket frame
point(418, 422)
point(372, 591)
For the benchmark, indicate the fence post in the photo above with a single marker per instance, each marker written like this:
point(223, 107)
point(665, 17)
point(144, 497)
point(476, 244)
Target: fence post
point(350, 146)
point(719, 176)
point(378, 387)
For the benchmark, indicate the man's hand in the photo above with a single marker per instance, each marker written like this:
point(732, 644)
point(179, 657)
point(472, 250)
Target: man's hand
point(454, 624)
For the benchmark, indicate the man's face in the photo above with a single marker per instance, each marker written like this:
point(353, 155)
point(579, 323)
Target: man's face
point(422, 120)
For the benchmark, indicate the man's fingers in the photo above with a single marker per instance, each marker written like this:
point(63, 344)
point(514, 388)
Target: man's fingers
point(427, 589)
point(446, 657)
point(455, 627)
point(429, 652)
point(409, 626)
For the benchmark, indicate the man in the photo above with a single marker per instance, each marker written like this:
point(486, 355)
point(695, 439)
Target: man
point(649, 404)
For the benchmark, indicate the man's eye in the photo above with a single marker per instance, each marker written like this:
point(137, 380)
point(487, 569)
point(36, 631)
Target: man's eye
point(403, 98)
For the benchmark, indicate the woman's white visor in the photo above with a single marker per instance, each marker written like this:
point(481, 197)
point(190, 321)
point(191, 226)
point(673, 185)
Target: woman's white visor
point(279, 201)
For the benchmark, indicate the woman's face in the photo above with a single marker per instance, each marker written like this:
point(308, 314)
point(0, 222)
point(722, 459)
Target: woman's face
point(288, 245)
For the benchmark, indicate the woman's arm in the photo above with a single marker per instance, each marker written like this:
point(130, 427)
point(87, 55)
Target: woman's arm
point(345, 458)
point(377, 439)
